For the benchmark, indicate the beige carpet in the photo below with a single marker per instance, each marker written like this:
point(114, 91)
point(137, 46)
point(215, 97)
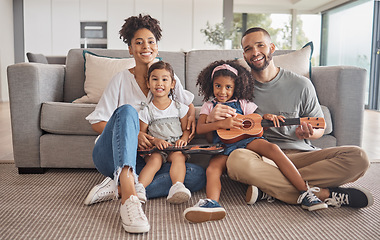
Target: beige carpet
point(49, 206)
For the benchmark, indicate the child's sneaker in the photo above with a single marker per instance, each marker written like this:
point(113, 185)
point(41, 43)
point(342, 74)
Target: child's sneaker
point(104, 191)
point(178, 193)
point(140, 190)
point(133, 217)
point(205, 210)
point(254, 194)
point(309, 201)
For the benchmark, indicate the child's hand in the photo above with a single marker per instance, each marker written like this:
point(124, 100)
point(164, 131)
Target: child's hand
point(231, 122)
point(161, 144)
point(275, 118)
point(180, 143)
point(221, 112)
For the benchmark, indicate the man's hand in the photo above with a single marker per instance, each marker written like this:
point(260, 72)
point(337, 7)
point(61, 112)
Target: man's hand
point(144, 140)
point(304, 131)
point(220, 112)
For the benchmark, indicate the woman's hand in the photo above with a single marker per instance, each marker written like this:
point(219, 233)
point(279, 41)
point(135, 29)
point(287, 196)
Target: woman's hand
point(161, 144)
point(191, 126)
point(275, 118)
point(180, 143)
point(220, 112)
point(144, 140)
point(99, 127)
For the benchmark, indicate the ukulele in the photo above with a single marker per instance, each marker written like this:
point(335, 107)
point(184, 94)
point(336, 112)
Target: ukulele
point(253, 125)
point(189, 149)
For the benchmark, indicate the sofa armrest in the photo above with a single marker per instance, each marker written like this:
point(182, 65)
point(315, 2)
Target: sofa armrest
point(341, 89)
point(31, 84)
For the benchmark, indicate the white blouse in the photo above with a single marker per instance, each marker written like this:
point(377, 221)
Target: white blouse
point(123, 89)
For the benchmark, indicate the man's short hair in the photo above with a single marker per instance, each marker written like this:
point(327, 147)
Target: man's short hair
point(256, 29)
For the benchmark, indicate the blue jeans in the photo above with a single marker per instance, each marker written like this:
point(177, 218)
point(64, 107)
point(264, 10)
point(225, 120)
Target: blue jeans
point(117, 148)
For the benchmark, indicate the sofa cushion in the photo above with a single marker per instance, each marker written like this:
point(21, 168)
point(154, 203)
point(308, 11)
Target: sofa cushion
point(99, 70)
point(66, 118)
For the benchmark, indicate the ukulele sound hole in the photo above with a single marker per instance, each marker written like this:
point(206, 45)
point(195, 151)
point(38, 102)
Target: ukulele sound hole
point(247, 124)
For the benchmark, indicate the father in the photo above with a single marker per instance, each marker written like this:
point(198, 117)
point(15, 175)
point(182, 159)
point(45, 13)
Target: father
point(282, 92)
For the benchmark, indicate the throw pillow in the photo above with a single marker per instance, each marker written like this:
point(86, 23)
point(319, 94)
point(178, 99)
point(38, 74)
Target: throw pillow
point(36, 57)
point(99, 70)
point(298, 61)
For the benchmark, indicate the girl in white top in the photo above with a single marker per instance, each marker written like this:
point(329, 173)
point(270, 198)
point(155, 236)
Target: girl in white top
point(166, 121)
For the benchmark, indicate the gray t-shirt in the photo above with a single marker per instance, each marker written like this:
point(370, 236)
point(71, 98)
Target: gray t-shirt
point(292, 96)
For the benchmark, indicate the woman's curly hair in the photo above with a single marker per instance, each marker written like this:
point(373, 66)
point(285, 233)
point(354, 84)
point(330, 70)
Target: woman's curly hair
point(135, 23)
point(244, 82)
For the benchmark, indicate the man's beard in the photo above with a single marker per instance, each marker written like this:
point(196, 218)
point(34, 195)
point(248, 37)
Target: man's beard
point(267, 60)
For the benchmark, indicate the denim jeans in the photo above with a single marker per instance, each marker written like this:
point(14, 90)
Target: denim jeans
point(117, 148)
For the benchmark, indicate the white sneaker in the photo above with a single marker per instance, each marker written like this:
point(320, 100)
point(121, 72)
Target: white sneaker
point(133, 217)
point(140, 190)
point(178, 193)
point(104, 191)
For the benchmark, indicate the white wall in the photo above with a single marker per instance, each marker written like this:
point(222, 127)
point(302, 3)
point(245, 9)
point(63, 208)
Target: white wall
point(37, 26)
point(6, 45)
point(181, 21)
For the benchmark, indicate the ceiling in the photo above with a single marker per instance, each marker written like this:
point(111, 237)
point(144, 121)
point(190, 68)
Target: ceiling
point(286, 6)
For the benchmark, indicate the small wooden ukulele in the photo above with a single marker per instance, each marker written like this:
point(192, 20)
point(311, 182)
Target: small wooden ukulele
point(253, 125)
point(190, 149)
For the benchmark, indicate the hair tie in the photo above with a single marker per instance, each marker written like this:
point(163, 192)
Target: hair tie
point(226, 67)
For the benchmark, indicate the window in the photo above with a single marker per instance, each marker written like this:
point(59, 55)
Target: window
point(347, 36)
point(279, 27)
point(310, 25)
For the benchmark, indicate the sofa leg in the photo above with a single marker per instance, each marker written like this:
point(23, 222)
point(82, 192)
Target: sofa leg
point(31, 170)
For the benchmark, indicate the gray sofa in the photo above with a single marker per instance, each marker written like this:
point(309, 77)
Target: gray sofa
point(49, 131)
point(40, 58)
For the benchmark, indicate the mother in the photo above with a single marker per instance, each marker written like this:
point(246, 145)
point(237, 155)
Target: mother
point(116, 119)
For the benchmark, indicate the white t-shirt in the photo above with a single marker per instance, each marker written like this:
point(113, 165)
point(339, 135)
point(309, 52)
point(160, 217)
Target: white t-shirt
point(123, 89)
point(171, 111)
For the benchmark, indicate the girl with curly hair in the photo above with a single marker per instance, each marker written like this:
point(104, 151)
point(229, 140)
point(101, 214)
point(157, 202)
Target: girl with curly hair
point(228, 83)
point(116, 119)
